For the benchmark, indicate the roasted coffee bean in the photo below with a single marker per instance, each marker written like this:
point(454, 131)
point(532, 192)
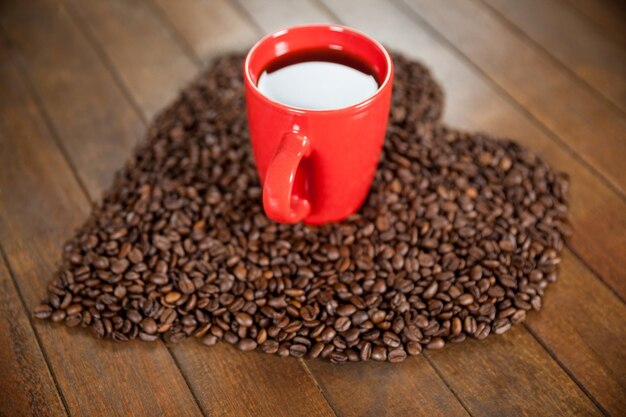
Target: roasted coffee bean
point(366, 351)
point(338, 357)
point(391, 339)
point(120, 292)
point(431, 291)
point(175, 337)
point(58, 316)
point(146, 337)
point(297, 350)
point(414, 348)
point(119, 266)
point(328, 335)
point(172, 297)
point(469, 325)
point(270, 346)
point(359, 318)
point(148, 325)
point(316, 350)
point(186, 286)
point(73, 320)
point(379, 353)
point(459, 237)
point(436, 343)
point(342, 324)
point(346, 310)
point(244, 319)
point(231, 338)
point(247, 344)
point(43, 311)
point(396, 355)
point(501, 325)
point(465, 299)
point(518, 317)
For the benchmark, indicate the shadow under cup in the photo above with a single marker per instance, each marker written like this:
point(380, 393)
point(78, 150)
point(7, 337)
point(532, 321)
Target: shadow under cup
point(340, 148)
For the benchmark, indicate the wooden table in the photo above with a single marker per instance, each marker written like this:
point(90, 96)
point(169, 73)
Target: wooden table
point(80, 79)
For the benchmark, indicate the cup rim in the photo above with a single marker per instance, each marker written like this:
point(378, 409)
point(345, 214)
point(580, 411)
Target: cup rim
point(335, 27)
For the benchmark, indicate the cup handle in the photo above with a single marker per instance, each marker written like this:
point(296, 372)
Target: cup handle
point(278, 200)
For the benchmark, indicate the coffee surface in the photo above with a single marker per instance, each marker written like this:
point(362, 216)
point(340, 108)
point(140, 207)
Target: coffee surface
point(318, 80)
point(459, 238)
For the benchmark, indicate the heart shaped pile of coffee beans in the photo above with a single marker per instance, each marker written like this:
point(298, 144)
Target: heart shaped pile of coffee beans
point(459, 237)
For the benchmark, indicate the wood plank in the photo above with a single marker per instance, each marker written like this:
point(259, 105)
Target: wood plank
point(542, 389)
point(573, 40)
point(252, 383)
point(584, 324)
point(78, 95)
point(147, 44)
point(153, 72)
point(276, 15)
point(222, 31)
point(411, 388)
point(592, 128)
point(609, 15)
point(42, 203)
point(474, 106)
point(28, 387)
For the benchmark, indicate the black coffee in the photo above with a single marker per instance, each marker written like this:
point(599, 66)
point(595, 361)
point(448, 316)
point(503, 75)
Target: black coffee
point(318, 80)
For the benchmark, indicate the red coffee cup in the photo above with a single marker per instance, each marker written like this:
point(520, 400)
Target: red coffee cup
point(316, 166)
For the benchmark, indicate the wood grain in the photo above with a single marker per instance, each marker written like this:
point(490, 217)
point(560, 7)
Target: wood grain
point(122, 25)
point(274, 15)
point(592, 128)
point(232, 383)
point(78, 94)
point(222, 31)
point(609, 16)
point(411, 388)
point(584, 325)
point(573, 40)
point(41, 204)
point(27, 385)
point(147, 44)
point(517, 389)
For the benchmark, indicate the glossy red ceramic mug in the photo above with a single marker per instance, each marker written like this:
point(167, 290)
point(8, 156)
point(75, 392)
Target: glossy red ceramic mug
point(316, 166)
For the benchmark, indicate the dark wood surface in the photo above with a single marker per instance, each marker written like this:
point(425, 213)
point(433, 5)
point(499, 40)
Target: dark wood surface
point(79, 82)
